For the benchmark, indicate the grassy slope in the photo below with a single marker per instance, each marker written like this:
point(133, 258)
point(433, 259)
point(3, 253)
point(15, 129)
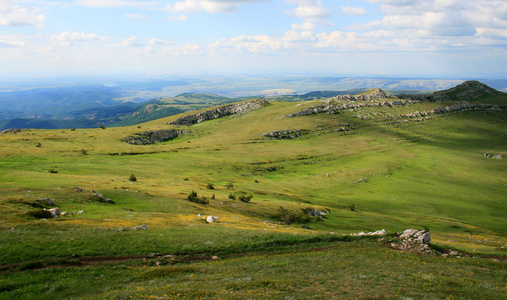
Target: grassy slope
point(419, 174)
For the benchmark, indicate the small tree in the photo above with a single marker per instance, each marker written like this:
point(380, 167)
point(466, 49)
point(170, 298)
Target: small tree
point(245, 199)
point(132, 177)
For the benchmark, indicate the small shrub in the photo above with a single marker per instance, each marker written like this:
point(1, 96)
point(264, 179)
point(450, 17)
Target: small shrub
point(38, 145)
point(186, 179)
point(213, 197)
point(73, 129)
point(194, 198)
point(292, 216)
point(230, 186)
point(245, 199)
point(232, 196)
point(52, 171)
point(40, 214)
point(84, 152)
point(132, 177)
point(210, 186)
point(352, 207)
point(102, 127)
point(256, 181)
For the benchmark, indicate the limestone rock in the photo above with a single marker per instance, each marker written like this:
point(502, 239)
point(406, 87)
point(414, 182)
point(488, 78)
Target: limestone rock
point(55, 212)
point(221, 111)
point(414, 240)
point(101, 198)
point(46, 201)
point(212, 219)
point(153, 136)
point(142, 227)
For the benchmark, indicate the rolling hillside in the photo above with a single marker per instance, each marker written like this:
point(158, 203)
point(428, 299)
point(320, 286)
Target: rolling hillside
point(267, 169)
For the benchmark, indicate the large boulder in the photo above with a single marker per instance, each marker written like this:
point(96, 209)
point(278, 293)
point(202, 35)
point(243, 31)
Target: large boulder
point(46, 201)
point(212, 219)
point(414, 240)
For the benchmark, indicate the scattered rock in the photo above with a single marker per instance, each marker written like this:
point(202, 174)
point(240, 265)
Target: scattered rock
point(492, 156)
point(126, 208)
point(142, 227)
point(46, 201)
point(10, 130)
point(378, 232)
point(316, 213)
point(101, 198)
point(76, 189)
point(212, 219)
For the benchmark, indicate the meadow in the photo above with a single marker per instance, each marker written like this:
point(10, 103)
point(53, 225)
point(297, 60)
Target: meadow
point(384, 172)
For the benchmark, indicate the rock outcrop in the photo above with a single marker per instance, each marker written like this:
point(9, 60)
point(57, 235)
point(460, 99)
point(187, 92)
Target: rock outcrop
point(378, 232)
point(46, 201)
point(10, 130)
point(55, 212)
point(468, 90)
point(333, 107)
point(461, 106)
point(218, 112)
point(414, 240)
point(153, 136)
point(99, 197)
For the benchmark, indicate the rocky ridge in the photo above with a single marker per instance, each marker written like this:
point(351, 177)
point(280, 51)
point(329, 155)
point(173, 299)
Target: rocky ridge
point(153, 136)
point(218, 112)
point(468, 90)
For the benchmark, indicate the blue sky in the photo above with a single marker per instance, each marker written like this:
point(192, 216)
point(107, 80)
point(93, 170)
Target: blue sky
point(369, 38)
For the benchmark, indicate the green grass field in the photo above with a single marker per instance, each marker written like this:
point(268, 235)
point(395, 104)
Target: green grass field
point(394, 175)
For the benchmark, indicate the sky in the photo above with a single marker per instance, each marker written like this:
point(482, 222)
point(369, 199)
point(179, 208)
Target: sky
point(369, 38)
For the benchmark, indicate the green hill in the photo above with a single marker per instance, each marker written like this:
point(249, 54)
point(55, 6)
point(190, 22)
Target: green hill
point(267, 172)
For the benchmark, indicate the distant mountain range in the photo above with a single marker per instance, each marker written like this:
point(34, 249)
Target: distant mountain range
point(93, 106)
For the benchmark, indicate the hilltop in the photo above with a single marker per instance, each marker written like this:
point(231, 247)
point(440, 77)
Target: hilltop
point(260, 198)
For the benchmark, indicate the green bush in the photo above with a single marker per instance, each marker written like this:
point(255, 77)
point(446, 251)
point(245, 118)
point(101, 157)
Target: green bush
point(194, 198)
point(52, 171)
point(292, 216)
point(245, 199)
point(210, 186)
point(132, 177)
point(232, 196)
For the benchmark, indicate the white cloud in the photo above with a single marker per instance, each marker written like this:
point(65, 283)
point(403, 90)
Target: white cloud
point(127, 42)
point(137, 17)
point(354, 11)
point(67, 38)
point(113, 3)
point(155, 41)
point(445, 18)
point(181, 17)
point(187, 49)
point(4, 43)
point(311, 11)
point(209, 6)
point(307, 26)
point(16, 15)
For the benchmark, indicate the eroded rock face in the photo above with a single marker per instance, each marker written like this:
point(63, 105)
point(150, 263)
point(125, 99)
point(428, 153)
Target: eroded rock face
point(414, 240)
point(55, 212)
point(153, 136)
point(218, 112)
